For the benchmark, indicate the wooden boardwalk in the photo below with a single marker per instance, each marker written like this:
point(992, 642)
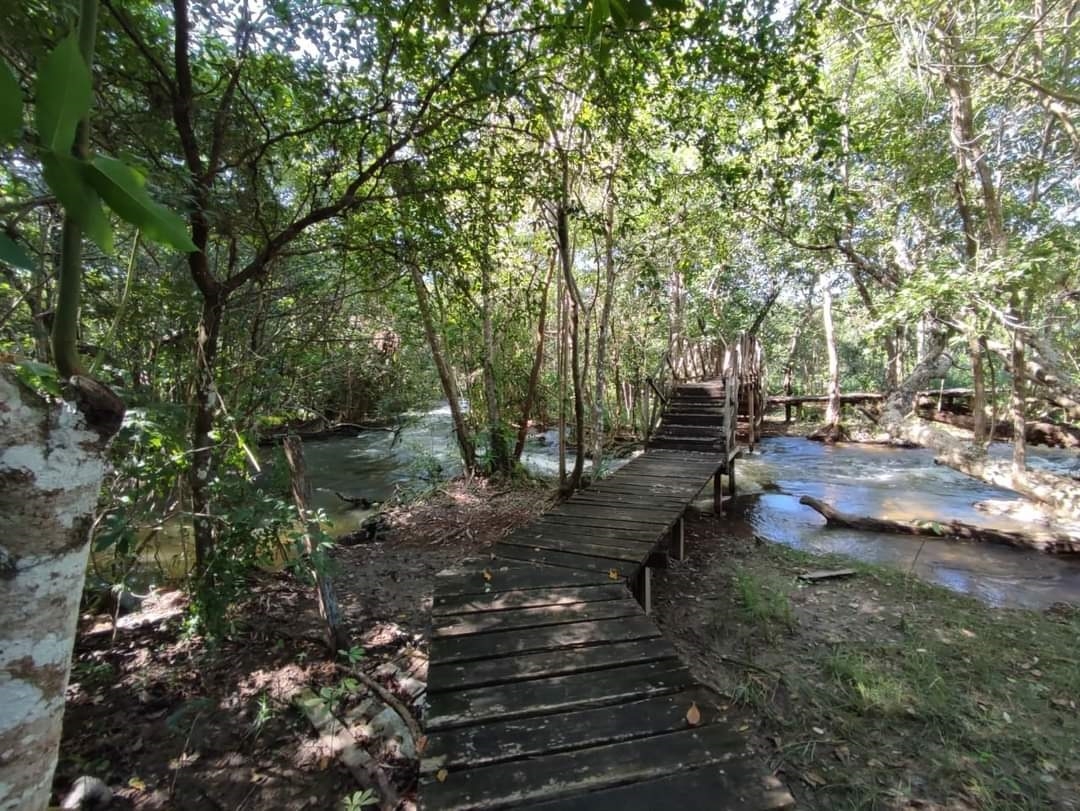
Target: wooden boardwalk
point(550, 687)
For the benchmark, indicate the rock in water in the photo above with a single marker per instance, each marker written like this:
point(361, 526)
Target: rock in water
point(88, 794)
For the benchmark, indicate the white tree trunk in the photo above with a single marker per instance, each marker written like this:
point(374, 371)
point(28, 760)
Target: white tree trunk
point(51, 468)
point(832, 410)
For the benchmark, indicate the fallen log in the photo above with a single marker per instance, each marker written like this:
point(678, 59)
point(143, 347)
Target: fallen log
point(1043, 541)
point(1038, 432)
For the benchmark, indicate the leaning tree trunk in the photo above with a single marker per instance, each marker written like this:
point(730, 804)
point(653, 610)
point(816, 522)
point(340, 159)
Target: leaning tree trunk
point(563, 234)
point(446, 374)
point(51, 465)
point(603, 333)
point(537, 366)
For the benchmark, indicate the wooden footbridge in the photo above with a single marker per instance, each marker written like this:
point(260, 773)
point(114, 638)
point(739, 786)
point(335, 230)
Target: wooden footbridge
point(550, 687)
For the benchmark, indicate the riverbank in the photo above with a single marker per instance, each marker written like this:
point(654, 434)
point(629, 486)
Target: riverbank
point(877, 690)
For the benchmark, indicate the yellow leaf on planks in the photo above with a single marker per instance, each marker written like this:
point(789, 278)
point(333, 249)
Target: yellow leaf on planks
point(487, 575)
point(693, 715)
point(441, 775)
point(613, 574)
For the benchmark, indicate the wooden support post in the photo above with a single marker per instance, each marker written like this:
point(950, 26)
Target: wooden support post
point(643, 588)
point(718, 492)
point(677, 541)
point(731, 478)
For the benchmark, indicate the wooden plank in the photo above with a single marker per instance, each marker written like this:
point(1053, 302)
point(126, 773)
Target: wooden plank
point(506, 575)
point(546, 734)
point(477, 705)
point(644, 514)
point(451, 676)
point(448, 605)
point(511, 785)
point(616, 524)
point(551, 639)
point(734, 785)
point(646, 534)
point(570, 560)
point(615, 497)
point(626, 550)
point(533, 617)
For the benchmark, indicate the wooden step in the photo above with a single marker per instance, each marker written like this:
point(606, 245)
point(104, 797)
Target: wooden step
point(683, 429)
point(706, 445)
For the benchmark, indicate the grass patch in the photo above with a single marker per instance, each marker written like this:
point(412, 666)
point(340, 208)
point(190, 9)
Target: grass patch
point(895, 690)
point(765, 603)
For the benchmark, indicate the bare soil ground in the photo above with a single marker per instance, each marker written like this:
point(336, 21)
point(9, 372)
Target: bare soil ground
point(878, 691)
point(171, 722)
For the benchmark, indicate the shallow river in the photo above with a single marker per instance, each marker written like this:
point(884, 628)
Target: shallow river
point(903, 484)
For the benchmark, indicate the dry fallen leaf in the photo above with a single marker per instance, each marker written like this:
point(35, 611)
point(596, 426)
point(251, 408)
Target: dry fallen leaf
point(613, 574)
point(693, 715)
point(814, 779)
point(421, 744)
point(487, 575)
point(441, 775)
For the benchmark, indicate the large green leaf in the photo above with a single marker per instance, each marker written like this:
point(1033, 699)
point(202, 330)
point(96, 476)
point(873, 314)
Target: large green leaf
point(10, 105)
point(599, 13)
point(11, 253)
point(67, 179)
point(122, 188)
point(64, 94)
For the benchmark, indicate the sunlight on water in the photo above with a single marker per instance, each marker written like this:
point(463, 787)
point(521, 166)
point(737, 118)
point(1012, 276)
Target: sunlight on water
point(900, 484)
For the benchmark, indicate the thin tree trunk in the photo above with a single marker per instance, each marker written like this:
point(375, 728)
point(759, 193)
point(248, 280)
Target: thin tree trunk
point(446, 374)
point(575, 307)
point(203, 443)
point(337, 638)
point(560, 296)
point(832, 409)
point(1018, 402)
point(499, 452)
point(602, 337)
point(978, 384)
point(537, 365)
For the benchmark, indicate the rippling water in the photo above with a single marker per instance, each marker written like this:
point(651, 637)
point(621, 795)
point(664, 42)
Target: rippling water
point(901, 484)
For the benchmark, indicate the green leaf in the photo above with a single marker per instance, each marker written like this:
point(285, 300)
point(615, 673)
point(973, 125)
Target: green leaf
point(10, 105)
point(64, 93)
point(598, 15)
point(12, 254)
point(66, 177)
point(121, 187)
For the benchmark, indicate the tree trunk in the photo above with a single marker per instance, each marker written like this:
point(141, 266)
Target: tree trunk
point(446, 374)
point(497, 445)
point(1057, 543)
point(575, 304)
point(1018, 402)
point(52, 465)
point(337, 639)
point(537, 365)
point(978, 385)
point(203, 444)
point(602, 336)
point(832, 409)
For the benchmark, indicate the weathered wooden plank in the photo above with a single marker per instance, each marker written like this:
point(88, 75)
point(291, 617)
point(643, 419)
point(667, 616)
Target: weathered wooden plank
point(448, 605)
point(546, 734)
point(488, 621)
point(612, 523)
point(506, 575)
point(444, 676)
point(570, 560)
point(643, 514)
point(552, 639)
point(482, 705)
point(511, 785)
point(644, 534)
point(626, 550)
point(612, 497)
point(734, 785)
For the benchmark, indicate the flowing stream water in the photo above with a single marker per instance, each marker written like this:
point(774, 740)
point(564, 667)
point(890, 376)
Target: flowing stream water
point(895, 483)
point(861, 479)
